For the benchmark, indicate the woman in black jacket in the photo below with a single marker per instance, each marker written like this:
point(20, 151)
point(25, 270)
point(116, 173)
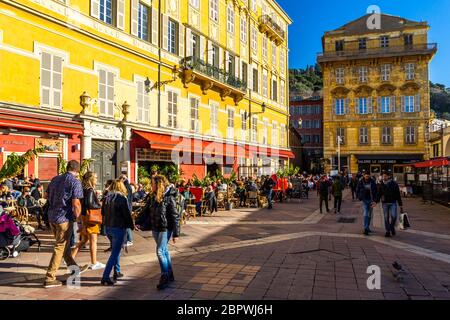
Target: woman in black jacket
point(163, 218)
point(116, 219)
point(89, 231)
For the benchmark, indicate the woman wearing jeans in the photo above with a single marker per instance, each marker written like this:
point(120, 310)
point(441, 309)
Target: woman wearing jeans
point(116, 218)
point(165, 224)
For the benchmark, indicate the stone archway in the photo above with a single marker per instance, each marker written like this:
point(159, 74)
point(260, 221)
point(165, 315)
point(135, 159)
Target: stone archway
point(447, 146)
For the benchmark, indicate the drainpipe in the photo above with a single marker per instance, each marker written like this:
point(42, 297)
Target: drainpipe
point(160, 37)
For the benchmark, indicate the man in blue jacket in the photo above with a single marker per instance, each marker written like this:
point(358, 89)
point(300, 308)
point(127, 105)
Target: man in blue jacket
point(390, 197)
point(368, 194)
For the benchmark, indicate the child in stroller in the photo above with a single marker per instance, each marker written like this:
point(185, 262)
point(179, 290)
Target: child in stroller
point(14, 238)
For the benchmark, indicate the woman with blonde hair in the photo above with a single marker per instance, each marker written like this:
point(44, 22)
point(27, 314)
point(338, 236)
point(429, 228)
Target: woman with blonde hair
point(89, 231)
point(164, 219)
point(117, 219)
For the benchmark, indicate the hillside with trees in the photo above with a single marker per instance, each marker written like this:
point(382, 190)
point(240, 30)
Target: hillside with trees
point(440, 100)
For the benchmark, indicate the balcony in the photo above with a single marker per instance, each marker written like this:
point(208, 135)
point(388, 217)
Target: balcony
point(410, 50)
point(271, 29)
point(208, 77)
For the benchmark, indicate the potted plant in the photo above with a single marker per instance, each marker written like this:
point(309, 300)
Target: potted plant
point(16, 163)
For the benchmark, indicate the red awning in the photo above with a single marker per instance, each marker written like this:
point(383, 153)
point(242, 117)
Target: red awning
point(174, 143)
point(433, 163)
point(37, 122)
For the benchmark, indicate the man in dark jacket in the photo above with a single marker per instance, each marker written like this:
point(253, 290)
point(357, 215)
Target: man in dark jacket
point(323, 191)
point(353, 185)
point(338, 187)
point(367, 193)
point(268, 189)
point(389, 195)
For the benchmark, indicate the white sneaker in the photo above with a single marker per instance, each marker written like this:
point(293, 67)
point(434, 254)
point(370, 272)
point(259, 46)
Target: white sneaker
point(97, 266)
point(129, 243)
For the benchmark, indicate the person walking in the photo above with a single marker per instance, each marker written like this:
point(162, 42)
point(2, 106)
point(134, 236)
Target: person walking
point(89, 231)
point(63, 193)
point(367, 193)
point(268, 190)
point(337, 194)
point(127, 184)
point(323, 191)
point(163, 219)
point(116, 219)
point(390, 196)
point(353, 186)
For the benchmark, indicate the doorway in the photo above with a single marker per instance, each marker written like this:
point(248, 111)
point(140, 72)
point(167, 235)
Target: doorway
point(211, 169)
point(105, 155)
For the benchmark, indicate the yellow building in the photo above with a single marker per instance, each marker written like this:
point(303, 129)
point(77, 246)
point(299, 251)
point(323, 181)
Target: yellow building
point(201, 70)
point(376, 94)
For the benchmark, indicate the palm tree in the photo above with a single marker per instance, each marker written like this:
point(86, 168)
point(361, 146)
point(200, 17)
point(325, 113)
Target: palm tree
point(15, 163)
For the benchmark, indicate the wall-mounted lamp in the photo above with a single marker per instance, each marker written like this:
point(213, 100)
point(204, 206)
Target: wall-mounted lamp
point(125, 111)
point(159, 84)
point(248, 115)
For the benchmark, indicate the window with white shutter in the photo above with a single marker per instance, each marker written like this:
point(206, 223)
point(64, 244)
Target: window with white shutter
point(410, 135)
point(243, 127)
point(274, 54)
point(172, 36)
point(265, 89)
point(254, 39)
point(340, 73)
point(230, 128)
point(275, 134)
point(51, 80)
point(254, 129)
point(155, 26)
point(363, 135)
point(408, 104)
point(194, 102)
point(121, 14)
point(265, 132)
point(363, 74)
point(265, 48)
point(195, 4)
point(386, 72)
point(283, 136)
point(243, 29)
point(230, 19)
point(106, 92)
point(143, 102)
point(410, 71)
point(134, 17)
point(95, 8)
point(214, 10)
point(386, 135)
point(172, 109)
point(214, 118)
point(282, 93)
point(339, 106)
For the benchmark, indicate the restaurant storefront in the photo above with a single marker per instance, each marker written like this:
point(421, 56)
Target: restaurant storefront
point(194, 156)
point(399, 165)
point(22, 131)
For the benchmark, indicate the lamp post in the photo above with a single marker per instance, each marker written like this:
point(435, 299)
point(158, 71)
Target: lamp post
point(339, 153)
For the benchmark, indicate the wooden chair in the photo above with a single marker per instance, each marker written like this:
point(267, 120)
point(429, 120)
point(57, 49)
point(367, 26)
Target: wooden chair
point(22, 215)
point(252, 199)
point(221, 197)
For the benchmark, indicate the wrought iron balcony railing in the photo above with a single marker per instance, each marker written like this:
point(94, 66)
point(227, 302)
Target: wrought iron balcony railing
point(220, 75)
point(269, 26)
point(427, 48)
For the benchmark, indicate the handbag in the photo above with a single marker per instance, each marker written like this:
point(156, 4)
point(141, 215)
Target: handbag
point(94, 216)
point(404, 221)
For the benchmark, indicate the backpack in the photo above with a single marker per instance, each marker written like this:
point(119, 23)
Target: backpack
point(323, 187)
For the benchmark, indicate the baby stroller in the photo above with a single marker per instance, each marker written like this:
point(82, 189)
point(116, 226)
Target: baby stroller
point(15, 238)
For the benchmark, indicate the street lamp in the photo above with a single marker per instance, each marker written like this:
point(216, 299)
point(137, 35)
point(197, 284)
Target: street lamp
point(248, 114)
point(339, 153)
point(300, 123)
point(159, 84)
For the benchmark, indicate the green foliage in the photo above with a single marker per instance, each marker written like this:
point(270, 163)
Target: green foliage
point(84, 166)
point(288, 171)
point(154, 168)
point(172, 173)
point(15, 163)
point(440, 100)
point(304, 82)
point(62, 164)
point(142, 174)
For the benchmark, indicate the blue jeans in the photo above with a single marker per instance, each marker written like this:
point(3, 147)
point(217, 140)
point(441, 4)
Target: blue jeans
point(368, 213)
point(162, 250)
point(129, 235)
point(116, 236)
point(390, 216)
point(269, 197)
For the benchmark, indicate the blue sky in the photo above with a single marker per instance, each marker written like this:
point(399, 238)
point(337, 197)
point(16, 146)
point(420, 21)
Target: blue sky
point(313, 18)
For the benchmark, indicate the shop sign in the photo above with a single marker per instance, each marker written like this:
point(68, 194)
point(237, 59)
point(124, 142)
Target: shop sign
point(13, 143)
point(50, 145)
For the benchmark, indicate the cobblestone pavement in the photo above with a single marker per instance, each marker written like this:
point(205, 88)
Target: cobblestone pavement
point(291, 252)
